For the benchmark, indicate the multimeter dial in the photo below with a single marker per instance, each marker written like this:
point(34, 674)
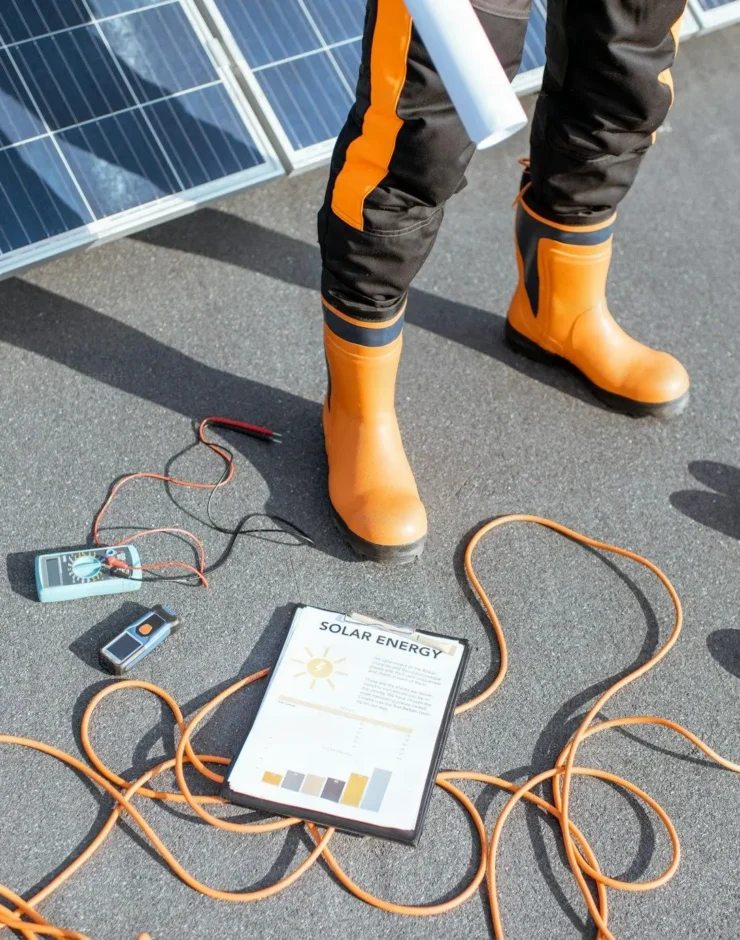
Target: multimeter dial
point(85, 568)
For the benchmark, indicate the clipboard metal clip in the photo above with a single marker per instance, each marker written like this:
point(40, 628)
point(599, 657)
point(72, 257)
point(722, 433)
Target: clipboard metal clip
point(425, 638)
point(364, 620)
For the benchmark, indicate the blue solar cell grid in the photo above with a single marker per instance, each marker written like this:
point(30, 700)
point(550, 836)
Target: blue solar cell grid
point(305, 57)
point(534, 41)
point(105, 106)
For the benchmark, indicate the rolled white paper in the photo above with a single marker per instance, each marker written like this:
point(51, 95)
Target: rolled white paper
point(469, 69)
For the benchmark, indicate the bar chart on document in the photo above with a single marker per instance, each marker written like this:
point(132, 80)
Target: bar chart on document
point(349, 723)
point(345, 739)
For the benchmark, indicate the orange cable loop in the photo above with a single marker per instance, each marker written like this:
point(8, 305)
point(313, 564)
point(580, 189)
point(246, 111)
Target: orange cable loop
point(25, 920)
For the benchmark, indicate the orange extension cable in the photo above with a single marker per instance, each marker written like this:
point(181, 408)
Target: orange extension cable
point(25, 920)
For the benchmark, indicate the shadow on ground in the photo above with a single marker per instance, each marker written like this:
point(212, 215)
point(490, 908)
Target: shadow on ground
point(102, 348)
point(118, 355)
point(229, 239)
point(717, 508)
point(724, 645)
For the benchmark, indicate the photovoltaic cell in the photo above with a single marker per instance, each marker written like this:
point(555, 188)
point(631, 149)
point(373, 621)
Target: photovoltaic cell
point(37, 196)
point(108, 106)
point(21, 19)
point(337, 21)
point(19, 120)
point(269, 30)
point(158, 52)
point(302, 59)
point(71, 77)
point(534, 41)
point(116, 163)
point(293, 89)
point(201, 134)
point(100, 8)
point(348, 57)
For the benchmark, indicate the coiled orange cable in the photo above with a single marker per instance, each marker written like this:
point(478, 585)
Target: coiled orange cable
point(28, 923)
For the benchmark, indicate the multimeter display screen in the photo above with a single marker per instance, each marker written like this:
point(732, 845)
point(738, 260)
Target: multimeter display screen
point(123, 647)
point(53, 574)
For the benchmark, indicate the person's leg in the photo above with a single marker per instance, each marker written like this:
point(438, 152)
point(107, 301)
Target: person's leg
point(401, 155)
point(607, 89)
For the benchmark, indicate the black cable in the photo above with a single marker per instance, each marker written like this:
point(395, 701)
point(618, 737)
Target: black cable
point(192, 580)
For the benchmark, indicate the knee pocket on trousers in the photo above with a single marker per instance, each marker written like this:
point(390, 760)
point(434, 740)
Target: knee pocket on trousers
point(602, 146)
point(422, 216)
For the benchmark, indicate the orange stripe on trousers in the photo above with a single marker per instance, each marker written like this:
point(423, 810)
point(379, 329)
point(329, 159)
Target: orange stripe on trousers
point(369, 155)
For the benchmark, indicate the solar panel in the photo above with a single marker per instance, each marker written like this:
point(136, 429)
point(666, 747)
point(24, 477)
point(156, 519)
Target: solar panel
point(114, 114)
point(300, 60)
point(534, 41)
point(713, 14)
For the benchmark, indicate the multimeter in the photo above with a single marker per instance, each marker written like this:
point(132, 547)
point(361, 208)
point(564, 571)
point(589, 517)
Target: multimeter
point(66, 576)
point(139, 639)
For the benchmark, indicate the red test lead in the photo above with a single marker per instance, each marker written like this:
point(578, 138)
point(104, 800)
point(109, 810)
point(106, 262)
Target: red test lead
point(253, 430)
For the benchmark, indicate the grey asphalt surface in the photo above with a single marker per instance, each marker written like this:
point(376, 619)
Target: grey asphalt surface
point(108, 357)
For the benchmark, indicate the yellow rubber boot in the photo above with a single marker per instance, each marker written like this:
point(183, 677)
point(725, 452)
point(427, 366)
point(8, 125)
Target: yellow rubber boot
point(372, 490)
point(559, 314)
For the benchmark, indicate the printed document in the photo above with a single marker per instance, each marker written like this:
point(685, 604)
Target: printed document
point(351, 722)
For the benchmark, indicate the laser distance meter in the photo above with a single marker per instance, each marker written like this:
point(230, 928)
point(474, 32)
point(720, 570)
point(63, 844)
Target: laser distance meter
point(138, 640)
point(66, 576)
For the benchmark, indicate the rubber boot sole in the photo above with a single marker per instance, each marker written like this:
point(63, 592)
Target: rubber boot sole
point(382, 554)
point(628, 406)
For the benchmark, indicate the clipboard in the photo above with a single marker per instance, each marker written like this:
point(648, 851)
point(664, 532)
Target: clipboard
point(260, 769)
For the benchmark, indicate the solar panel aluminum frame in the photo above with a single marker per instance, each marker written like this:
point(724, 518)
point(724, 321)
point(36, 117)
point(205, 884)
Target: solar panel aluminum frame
point(689, 25)
point(526, 83)
point(716, 18)
point(294, 160)
point(165, 208)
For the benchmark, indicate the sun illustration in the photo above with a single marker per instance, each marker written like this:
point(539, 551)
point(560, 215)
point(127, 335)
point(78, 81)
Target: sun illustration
point(319, 667)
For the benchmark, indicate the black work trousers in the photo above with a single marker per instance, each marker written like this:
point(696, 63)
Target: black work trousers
point(403, 151)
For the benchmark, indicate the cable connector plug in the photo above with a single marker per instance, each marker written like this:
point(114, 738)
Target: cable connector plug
point(117, 568)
